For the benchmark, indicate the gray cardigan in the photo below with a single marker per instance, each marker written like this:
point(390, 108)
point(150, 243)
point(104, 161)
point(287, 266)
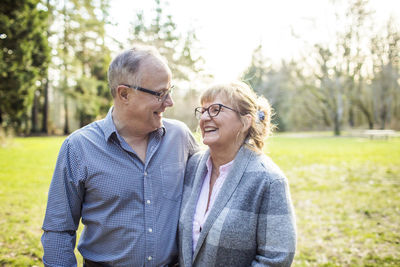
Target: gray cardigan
point(252, 222)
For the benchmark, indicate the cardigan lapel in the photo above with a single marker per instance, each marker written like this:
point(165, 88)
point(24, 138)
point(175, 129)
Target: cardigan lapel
point(242, 159)
point(187, 237)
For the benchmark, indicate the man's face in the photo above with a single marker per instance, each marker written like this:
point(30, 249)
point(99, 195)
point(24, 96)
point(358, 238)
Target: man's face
point(145, 109)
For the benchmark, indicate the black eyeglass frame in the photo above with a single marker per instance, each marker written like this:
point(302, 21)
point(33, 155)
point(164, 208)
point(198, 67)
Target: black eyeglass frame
point(199, 111)
point(161, 96)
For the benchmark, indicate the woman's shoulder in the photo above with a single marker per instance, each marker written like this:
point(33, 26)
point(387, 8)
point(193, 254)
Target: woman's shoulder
point(196, 157)
point(264, 167)
point(194, 160)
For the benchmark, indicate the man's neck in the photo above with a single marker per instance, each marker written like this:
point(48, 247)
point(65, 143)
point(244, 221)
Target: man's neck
point(136, 139)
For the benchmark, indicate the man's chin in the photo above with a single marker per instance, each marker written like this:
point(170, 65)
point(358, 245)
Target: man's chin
point(157, 123)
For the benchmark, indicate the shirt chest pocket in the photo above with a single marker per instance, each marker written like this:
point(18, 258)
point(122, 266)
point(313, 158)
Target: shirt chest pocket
point(172, 180)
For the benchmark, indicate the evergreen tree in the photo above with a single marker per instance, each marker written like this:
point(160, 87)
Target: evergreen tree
point(24, 57)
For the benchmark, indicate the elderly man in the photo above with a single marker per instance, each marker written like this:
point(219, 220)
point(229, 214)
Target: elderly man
point(122, 176)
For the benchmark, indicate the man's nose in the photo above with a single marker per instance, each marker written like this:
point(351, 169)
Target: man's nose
point(169, 102)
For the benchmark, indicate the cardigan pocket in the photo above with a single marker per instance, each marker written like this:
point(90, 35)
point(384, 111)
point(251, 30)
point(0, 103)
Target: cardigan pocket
point(172, 180)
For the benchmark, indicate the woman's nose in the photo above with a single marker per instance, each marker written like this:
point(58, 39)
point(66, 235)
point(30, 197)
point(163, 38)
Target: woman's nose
point(205, 116)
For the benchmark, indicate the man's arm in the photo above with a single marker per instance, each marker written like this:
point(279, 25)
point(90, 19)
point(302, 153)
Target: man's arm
point(63, 209)
point(59, 248)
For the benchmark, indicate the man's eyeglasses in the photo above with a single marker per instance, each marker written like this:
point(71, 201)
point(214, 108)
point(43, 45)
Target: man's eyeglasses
point(213, 110)
point(161, 96)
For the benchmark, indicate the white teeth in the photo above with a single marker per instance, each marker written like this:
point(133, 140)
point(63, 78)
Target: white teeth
point(209, 129)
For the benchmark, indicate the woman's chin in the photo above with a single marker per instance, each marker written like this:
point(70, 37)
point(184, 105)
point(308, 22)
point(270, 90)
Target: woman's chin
point(207, 143)
point(211, 143)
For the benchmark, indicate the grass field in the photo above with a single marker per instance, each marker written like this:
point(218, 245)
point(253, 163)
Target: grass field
point(345, 192)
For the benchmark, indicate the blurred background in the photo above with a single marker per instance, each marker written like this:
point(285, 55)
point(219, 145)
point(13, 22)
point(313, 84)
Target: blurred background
point(324, 65)
point(330, 68)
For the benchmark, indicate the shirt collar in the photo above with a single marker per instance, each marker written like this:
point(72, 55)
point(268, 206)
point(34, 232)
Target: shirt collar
point(109, 126)
point(222, 169)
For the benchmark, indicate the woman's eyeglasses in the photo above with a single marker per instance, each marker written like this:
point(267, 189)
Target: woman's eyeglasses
point(213, 110)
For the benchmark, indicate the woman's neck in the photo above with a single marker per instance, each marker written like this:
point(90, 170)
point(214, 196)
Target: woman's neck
point(221, 157)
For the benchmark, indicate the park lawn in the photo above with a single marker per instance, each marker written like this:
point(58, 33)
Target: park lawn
point(346, 196)
point(345, 192)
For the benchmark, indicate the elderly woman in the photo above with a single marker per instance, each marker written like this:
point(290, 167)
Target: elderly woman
point(236, 208)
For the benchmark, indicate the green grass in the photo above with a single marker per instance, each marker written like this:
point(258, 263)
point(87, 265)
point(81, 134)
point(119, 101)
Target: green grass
point(346, 196)
point(26, 166)
point(345, 192)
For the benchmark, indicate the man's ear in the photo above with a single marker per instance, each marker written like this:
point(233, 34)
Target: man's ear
point(122, 93)
point(247, 120)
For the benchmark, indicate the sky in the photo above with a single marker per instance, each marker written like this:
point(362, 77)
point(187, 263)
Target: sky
point(229, 30)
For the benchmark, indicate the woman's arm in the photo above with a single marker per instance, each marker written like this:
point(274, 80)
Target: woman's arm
point(276, 230)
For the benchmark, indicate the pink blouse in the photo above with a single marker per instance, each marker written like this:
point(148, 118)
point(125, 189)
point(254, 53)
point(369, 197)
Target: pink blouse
point(201, 213)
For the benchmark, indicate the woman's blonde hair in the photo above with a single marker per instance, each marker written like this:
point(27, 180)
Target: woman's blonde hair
point(245, 100)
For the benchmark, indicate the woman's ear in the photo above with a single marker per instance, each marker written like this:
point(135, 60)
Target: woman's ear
point(247, 120)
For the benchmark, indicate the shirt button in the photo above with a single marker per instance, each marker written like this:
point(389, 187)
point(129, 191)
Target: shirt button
point(148, 201)
point(149, 258)
point(150, 230)
point(145, 173)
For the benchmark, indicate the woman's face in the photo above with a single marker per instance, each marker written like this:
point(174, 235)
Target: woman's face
point(223, 131)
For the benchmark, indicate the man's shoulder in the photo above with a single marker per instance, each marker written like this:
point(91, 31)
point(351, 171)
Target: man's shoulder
point(174, 124)
point(91, 132)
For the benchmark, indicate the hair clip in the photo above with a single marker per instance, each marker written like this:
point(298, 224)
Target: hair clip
point(261, 115)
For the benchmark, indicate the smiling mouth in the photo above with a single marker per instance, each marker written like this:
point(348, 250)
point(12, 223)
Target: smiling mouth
point(210, 129)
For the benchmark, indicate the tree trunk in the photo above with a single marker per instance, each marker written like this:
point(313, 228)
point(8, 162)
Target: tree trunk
point(336, 124)
point(45, 108)
point(368, 114)
point(383, 117)
point(66, 124)
point(351, 116)
point(370, 124)
point(35, 111)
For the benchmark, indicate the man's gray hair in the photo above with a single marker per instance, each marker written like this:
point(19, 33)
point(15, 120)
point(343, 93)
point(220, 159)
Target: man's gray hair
point(124, 69)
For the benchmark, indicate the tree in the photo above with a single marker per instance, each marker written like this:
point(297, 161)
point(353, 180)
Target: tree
point(84, 59)
point(181, 53)
point(385, 50)
point(24, 57)
point(256, 74)
point(273, 83)
point(162, 34)
point(94, 57)
point(352, 55)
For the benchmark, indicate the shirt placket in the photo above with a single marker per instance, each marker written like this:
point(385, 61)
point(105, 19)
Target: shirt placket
point(149, 207)
point(149, 219)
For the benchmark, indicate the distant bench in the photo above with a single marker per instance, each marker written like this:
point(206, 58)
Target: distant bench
point(385, 134)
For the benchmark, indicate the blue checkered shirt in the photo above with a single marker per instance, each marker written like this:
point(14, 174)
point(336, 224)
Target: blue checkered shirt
point(129, 208)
